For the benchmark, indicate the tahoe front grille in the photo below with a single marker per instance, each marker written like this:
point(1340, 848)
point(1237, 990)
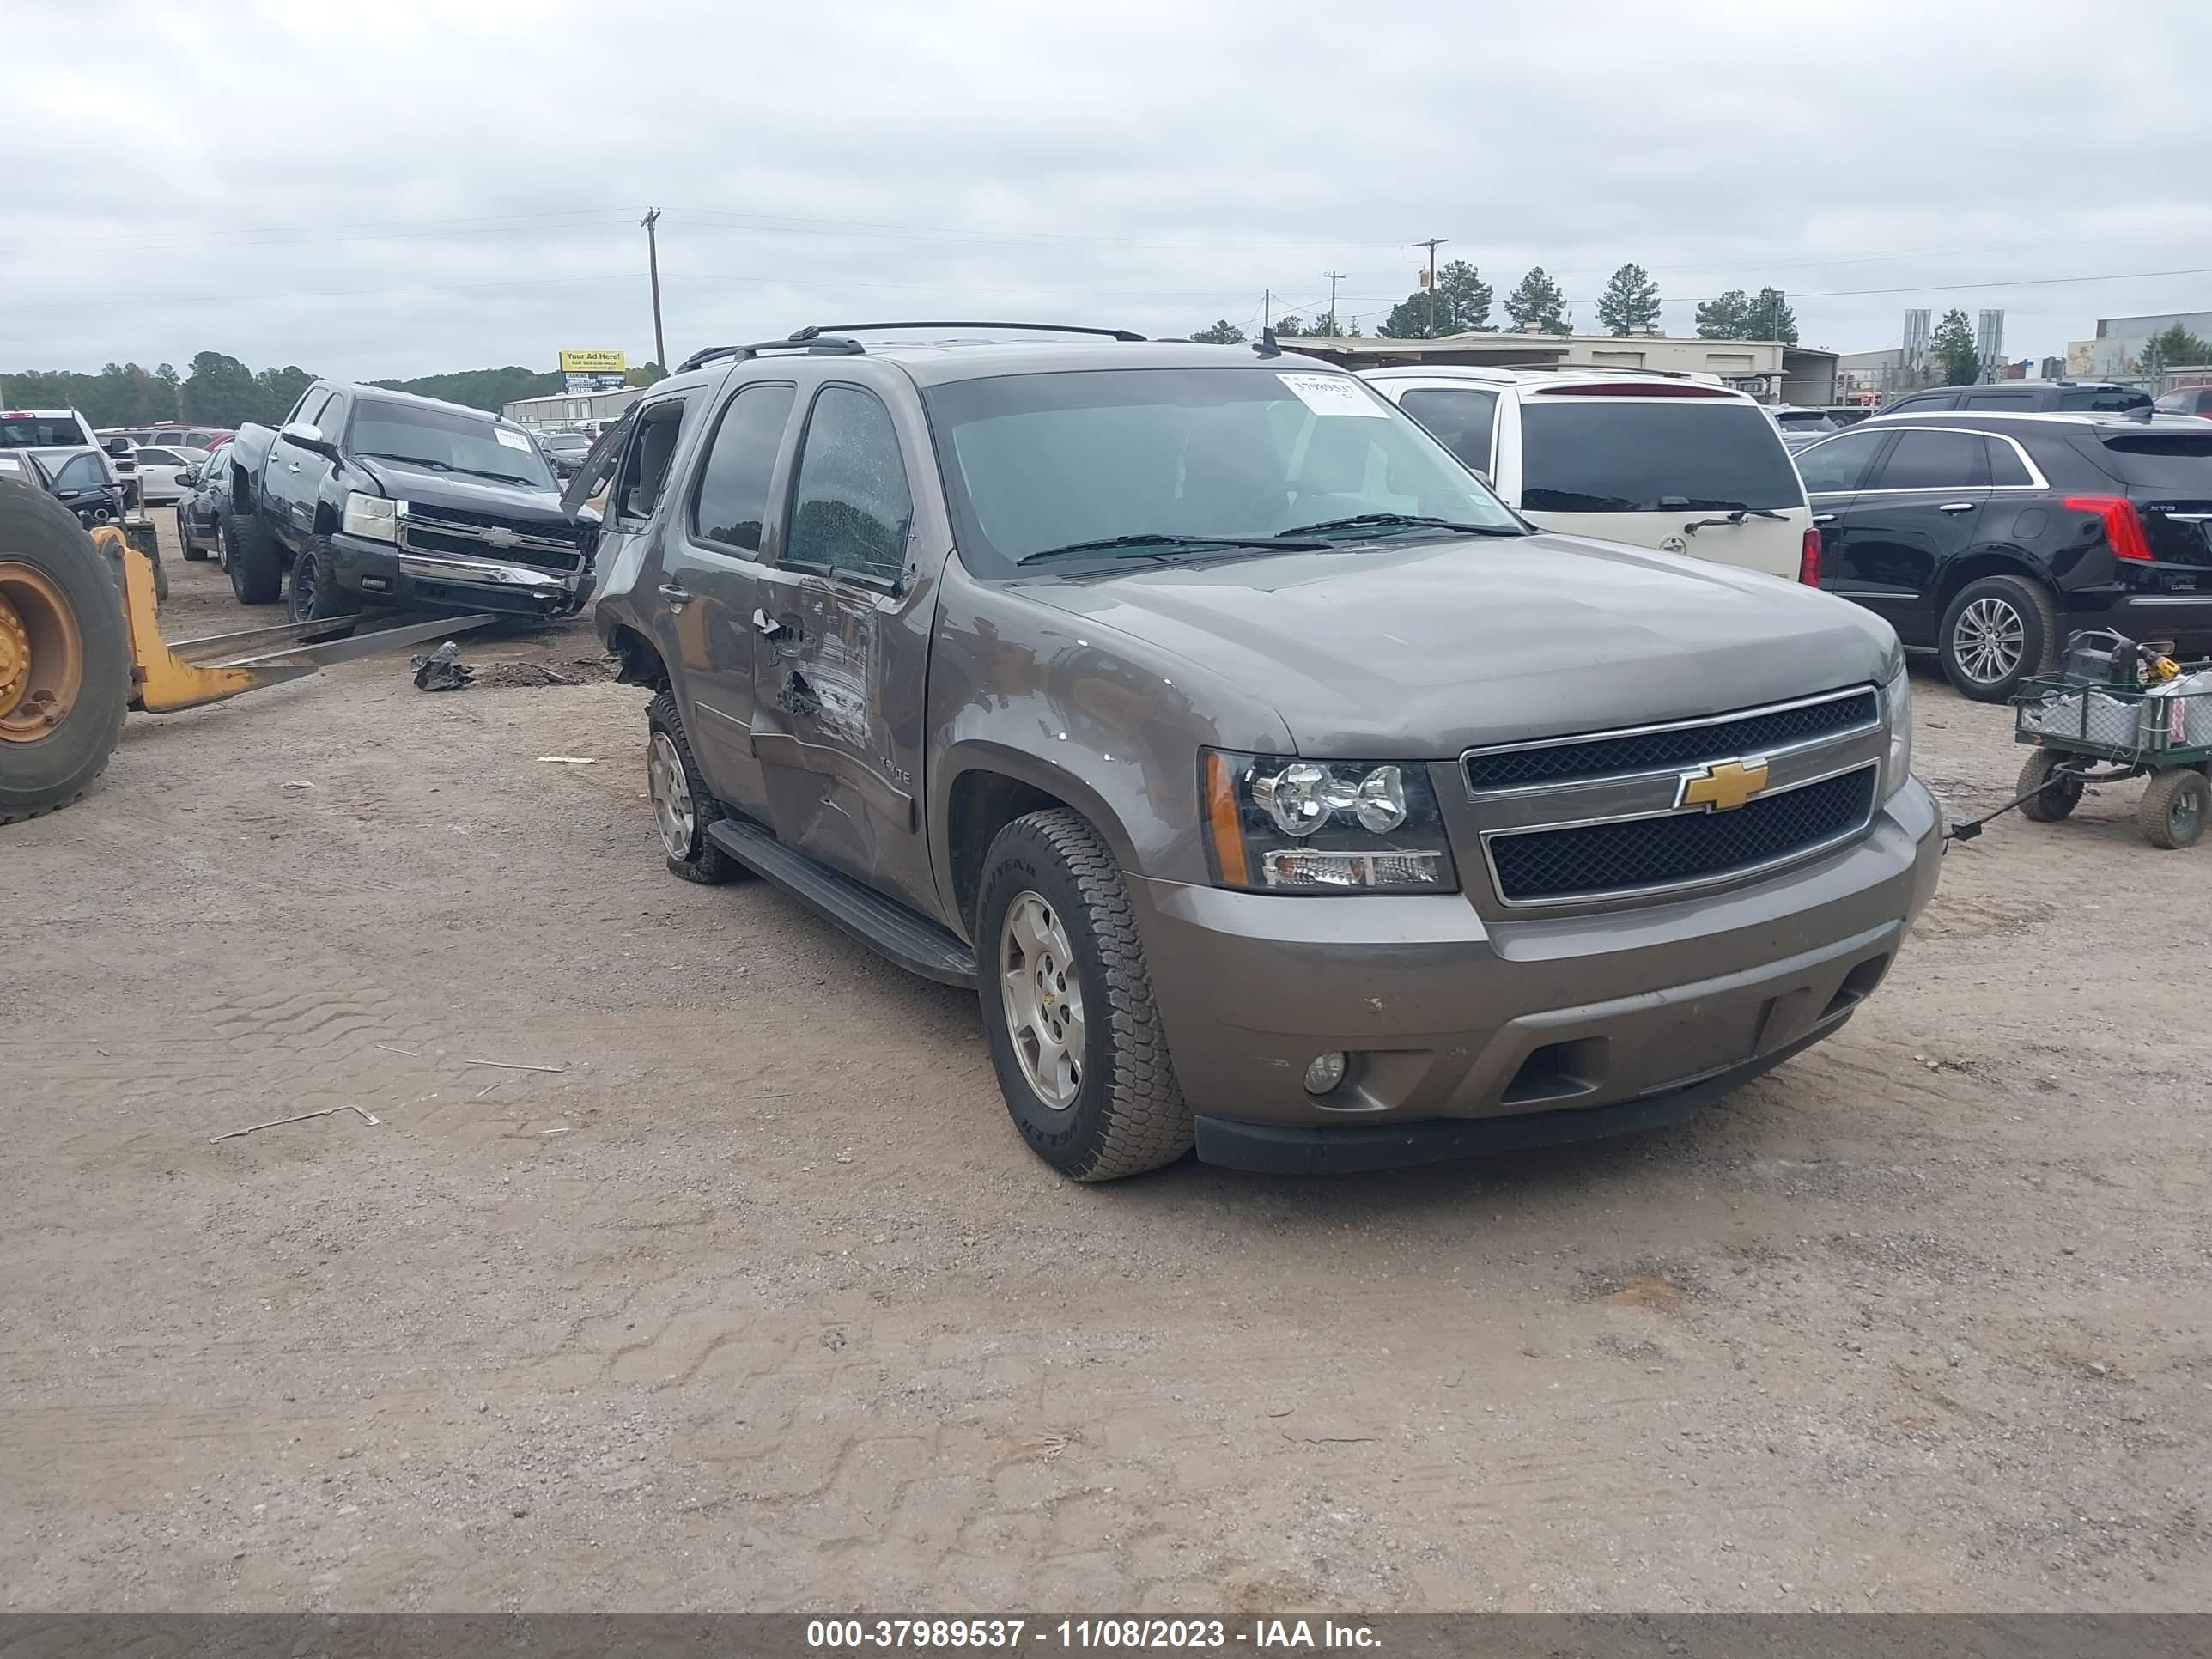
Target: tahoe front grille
point(1592, 861)
point(1689, 744)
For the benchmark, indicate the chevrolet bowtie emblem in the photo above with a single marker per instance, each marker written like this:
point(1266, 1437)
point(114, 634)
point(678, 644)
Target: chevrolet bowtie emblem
point(499, 534)
point(1723, 786)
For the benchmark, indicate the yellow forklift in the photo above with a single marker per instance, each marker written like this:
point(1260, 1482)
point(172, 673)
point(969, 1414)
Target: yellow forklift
point(80, 642)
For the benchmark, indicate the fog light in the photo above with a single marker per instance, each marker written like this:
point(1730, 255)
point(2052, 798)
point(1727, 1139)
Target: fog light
point(1325, 1073)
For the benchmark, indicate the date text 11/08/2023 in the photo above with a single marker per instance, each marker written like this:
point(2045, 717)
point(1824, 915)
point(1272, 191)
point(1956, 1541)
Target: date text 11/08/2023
point(832, 1636)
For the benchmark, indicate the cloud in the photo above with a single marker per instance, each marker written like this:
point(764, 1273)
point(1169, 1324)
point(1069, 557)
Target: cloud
point(416, 187)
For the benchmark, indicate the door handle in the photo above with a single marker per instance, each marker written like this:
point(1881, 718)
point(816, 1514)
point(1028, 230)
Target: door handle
point(769, 627)
point(1955, 506)
point(676, 593)
point(295, 467)
point(1824, 518)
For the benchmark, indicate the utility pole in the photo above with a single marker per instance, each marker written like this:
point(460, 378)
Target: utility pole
point(1334, 277)
point(1429, 275)
point(652, 261)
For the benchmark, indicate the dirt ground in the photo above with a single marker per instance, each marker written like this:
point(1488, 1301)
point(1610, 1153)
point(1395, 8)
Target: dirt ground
point(754, 1300)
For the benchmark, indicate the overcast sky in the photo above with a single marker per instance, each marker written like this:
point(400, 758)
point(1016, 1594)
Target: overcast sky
point(402, 188)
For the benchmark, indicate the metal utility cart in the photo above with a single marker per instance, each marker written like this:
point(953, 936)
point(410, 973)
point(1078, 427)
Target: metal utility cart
point(2164, 733)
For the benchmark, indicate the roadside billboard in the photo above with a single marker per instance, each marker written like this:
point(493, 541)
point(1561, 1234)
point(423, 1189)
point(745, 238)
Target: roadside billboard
point(585, 370)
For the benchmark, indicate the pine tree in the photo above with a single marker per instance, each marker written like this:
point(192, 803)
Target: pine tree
point(1630, 304)
point(1957, 358)
point(1460, 305)
point(1223, 333)
point(1724, 316)
point(1290, 327)
point(1538, 303)
point(1769, 318)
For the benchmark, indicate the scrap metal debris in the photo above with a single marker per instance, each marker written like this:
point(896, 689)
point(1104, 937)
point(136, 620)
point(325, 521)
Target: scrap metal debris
point(516, 1065)
point(443, 669)
point(569, 760)
point(279, 1122)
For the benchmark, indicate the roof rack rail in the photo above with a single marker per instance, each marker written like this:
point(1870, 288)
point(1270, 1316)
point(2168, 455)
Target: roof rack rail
point(1602, 368)
point(824, 345)
point(818, 330)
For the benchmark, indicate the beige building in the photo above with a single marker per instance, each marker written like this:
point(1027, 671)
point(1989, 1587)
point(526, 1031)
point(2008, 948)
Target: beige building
point(1770, 372)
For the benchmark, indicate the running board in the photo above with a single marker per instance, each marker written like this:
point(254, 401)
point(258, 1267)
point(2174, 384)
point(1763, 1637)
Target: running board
point(919, 945)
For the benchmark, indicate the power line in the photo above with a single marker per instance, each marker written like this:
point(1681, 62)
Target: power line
point(490, 223)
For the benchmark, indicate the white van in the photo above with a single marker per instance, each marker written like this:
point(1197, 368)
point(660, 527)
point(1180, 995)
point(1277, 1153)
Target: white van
point(1675, 462)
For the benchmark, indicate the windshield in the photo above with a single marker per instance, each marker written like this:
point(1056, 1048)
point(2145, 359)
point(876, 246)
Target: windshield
point(1039, 461)
point(449, 443)
point(1630, 455)
point(41, 432)
point(568, 443)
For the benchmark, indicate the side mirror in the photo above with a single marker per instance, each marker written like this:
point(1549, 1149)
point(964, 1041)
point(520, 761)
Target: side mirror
point(117, 445)
point(189, 475)
point(300, 435)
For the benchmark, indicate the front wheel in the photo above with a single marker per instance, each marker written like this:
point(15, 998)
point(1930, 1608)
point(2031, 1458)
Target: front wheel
point(316, 595)
point(2172, 810)
point(1068, 1004)
point(192, 552)
point(1995, 632)
point(683, 805)
point(2054, 798)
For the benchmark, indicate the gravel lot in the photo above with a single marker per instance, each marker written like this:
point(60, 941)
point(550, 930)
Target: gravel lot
point(755, 1300)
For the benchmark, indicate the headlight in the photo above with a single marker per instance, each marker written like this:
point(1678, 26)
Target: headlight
point(372, 516)
point(1896, 713)
point(1280, 825)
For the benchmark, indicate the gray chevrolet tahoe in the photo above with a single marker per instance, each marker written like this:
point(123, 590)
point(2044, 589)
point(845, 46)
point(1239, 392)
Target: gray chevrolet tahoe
point(1279, 791)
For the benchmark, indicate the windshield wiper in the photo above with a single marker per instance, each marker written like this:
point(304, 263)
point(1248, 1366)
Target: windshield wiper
point(1390, 521)
point(411, 461)
point(1150, 542)
point(1737, 511)
point(504, 477)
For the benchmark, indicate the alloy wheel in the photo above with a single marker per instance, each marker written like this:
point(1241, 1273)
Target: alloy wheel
point(1043, 999)
point(1989, 640)
point(673, 808)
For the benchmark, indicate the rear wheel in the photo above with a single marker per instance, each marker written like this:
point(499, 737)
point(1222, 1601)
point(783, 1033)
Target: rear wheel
point(316, 595)
point(2173, 809)
point(1995, 632)
point(683, 807)
point(64, 657)
point(254, 560)
point(2054, 799)
point(185, 543)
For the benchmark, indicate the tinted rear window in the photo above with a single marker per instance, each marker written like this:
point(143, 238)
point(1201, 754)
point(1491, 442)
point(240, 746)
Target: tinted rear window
point(42, 432)
point(2105, 397)
point(2162, 461)
point(1624, 455)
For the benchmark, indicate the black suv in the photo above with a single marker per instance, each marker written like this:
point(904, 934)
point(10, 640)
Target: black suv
point(2023, 398)
point(1992, 536)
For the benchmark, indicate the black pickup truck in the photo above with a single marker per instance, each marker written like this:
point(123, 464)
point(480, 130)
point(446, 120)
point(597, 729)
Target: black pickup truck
point(370, 497)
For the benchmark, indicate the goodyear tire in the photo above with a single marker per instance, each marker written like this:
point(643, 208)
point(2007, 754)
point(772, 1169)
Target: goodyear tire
point(56, 582)
point(683, 805)
point(316, 595)
point(256, 562)
point(1086, 1076)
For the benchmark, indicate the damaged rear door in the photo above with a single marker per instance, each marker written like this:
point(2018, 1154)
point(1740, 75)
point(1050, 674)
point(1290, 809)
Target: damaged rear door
point(841, 655)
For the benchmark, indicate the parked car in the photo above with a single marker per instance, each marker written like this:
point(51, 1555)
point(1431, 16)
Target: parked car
point(566, 450)
point(53, 434)
point(1279, 789)
point(169, 436)
point(2020, 397)
point(1990, 537)
point(2186, 400)
point(204, 506)
point(1666, 461)
point(373, 496)
point(158, 468)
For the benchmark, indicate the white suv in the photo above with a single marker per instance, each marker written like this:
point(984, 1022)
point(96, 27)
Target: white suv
point(1674, 462)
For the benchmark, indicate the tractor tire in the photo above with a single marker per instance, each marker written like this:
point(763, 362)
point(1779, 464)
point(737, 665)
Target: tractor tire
point(64, 657)
point(257, 562)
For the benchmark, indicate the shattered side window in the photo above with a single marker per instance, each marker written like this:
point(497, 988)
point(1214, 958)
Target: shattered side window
point(851, 507)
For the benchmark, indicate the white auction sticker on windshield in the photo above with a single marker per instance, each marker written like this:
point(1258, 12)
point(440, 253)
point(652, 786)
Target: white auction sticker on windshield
point(512, 440)
point(1335, 394)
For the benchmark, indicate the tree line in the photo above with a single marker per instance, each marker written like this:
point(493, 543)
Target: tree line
point(1460, 302)
point(217, 390)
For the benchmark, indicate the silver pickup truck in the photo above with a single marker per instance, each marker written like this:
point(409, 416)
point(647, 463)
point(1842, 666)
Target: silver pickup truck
point(1279, 791)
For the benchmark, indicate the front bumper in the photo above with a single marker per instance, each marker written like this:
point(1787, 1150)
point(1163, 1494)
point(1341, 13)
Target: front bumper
point(1450, 1020)
point(387, 574)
